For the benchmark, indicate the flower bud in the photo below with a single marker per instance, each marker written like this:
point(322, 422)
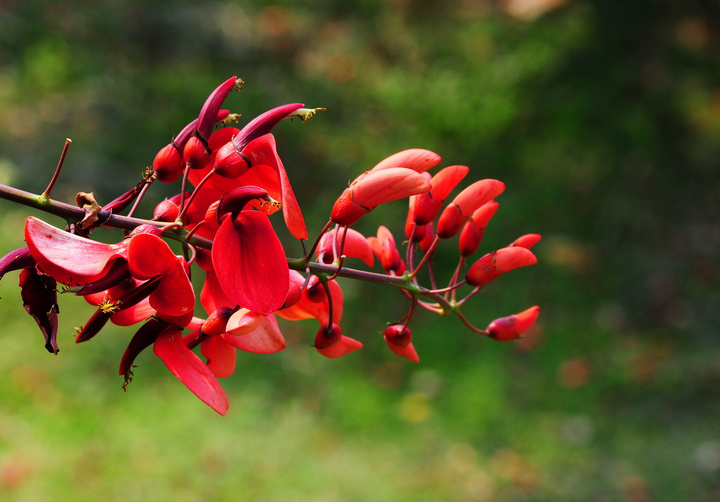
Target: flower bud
point(493, 265)
point(168, 164)
point(327, 336)
point(512, 327)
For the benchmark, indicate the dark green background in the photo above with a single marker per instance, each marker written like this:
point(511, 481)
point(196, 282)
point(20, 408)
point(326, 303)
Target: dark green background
point(603, 119)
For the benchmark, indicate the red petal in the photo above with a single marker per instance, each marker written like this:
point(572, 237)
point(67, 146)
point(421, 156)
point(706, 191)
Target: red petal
point(68, 258)
point(308, 309)
point(250, 262)
point(212, 296)
point(220, 356)
point(341, 348)
point(265, 339)
point(356, 246)
point(148, 256)
point(408, 351)
point(493, 265)
point(417, 159)
point(190, 369)
point(264, 151)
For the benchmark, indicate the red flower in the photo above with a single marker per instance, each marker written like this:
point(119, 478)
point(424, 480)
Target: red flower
point(512, 327)
point(376, 187)
point(462, 207)
point(250, 263)
point(399, 339)
point(493, 265)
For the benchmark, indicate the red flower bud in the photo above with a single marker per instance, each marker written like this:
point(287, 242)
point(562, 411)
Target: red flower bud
point(230, 162)
point(196, 153)
point(493, 265)
point(327, 336)
point(527, 241)
point(474, 229)
point(461, 208)
point(168, 164)
point(212, 105)
point(512, 327)
point(398, 339)
point(167, 211)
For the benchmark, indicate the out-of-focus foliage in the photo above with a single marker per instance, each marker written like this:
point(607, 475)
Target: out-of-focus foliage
point(602, 117)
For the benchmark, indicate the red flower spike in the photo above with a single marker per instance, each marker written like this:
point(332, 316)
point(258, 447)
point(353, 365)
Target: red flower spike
point(417, 159)
point(268, 172)
point(327, 336)
point(474, 229)
point(493, 265)
point(220, 356)
point(168, 164)
point(527, 241)
point(208, 113)
point(512, 327)
point(343, 347)
point(374, 188)
point(39, 296)
point(250, 262)
point(265, 339)
point(69, 258)
point(428, 205)
point(461, 208)
point(189, 369)
point(150, 256)
point(356, 246)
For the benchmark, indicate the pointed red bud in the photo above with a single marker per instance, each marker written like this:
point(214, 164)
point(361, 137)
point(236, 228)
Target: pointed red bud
point(512, 327)
point(230, 162)
point(196, 153)
point(461, 208)
point(264, 123)
point(428, 205)
point(168, 164)
point(493, 265)
point(417, 159)
point(385, 249)
point(398, 334)
point(375, 188)
point(474, 229)
point(210, 109)
point(527, 241)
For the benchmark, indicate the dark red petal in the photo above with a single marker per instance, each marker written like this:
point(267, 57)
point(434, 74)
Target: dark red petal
point(208, 113)
point(39, 298)
point(143, 338)
point(190, 369)
point(264, 123)
point(16, 260)
point(250, 262)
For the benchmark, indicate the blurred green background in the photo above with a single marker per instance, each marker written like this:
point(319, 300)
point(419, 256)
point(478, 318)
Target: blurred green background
point(603, 119)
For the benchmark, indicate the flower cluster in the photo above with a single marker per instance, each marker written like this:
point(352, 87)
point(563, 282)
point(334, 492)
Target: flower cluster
point(231, 182)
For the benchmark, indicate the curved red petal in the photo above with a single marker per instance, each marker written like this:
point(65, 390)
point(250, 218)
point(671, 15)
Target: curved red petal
point(69, 258)
point(341, 348)
point(174, 296)
point(250, 262)
point(148, 256)
point(417, 159)
point(220, 356)
point(408, 351)
point(265, 339)
point(263, 150)
point(190, 369)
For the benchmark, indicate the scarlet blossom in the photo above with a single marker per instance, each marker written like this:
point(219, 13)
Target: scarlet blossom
point(384, 248)
point(250, 263)
point(376, 187)
point(426, 206)
point(465, 203)
point(474, 228)
point(347, 241)
point(399, 339)
point(331, 343)
point(493, 265)
point(512, 327)
point(417, 159)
